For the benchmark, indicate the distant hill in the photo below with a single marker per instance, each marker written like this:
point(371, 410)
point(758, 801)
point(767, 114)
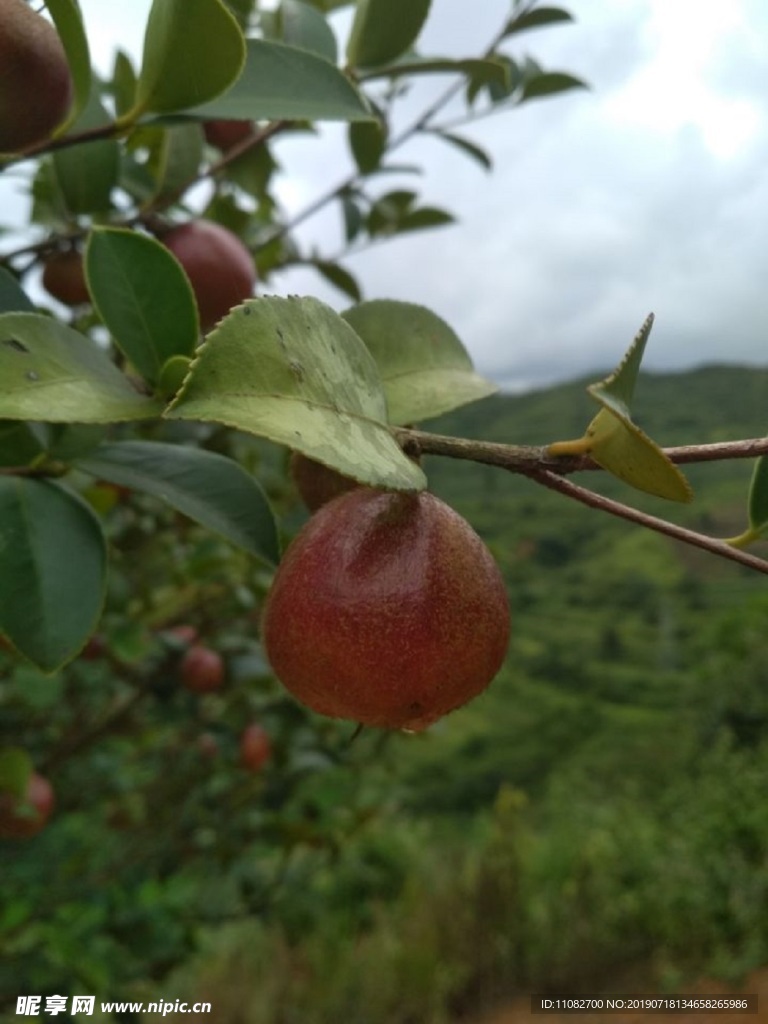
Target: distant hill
point(707, 404)
point(609, 620)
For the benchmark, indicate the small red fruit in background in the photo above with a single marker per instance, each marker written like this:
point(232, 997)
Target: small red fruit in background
point(64, 278)
point(218, 265)
point(224, 134)
point(184, 634)
point(387, 609)
point(255, 747)
point(21, 818)
point(202, 669)
point(95, 649)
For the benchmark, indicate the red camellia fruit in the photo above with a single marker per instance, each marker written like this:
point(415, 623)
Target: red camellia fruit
point(224, 133)
point(219, 267)
point(202, 669)
point(255, 747)
point(387, 609)
point(21, 818)
point(64, 278)
point(36, 88)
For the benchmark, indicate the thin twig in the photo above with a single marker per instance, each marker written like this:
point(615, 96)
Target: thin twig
point(524, 458)
point(633, 515)
point(419, 124)
point(253, 141)
point(101, 727)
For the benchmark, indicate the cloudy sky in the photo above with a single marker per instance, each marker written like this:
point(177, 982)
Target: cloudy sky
point(647, 192)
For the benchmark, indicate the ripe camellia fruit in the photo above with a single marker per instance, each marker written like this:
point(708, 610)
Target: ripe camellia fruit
point(36, 88)
point(255, 747)
point(224, 134)
point(21, 818)
point(219, 267)
point(317, 483)
point(202, 670)
point(64, 278)
point(387, 609)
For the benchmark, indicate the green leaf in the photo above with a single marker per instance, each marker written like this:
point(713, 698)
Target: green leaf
point(499, 87)
point(143, 296)
point(353, 217)
point(548, 83)
point(483, 71)
point(49, 372)
point(539, 17)
point(209, 488)
point(384, 29)
point(52, 570)
point(293, 371)
point(339, 277)
point(21, 443)
point(368, 142)
point(193, 51)
point(68, 20)
point(285, 82)
point(15, 769)
point(386, 213)
point(425, 369)
point(87, 173)
point(469, 148)
point(618, 388)
point(305, 27)
point(124, 83)
point(758, 497)
point(13, 298)
point(68, 441)
point(330, 5)
point(424, 217)
point(179, 158)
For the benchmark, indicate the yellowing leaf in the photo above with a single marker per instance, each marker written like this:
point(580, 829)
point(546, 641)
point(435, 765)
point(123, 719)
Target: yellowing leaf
point(622, 448)
point(619, 445)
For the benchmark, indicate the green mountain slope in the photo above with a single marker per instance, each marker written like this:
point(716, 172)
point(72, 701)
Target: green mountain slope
point(611, 623)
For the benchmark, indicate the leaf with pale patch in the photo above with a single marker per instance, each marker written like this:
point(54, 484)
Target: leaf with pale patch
point(293, 371)
point(50, 372)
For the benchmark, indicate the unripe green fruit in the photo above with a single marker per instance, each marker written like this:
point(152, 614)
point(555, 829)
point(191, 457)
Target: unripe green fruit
point(224, 133)
point(35, 82)
point(386, 609)
point(21, 818)
point(64, 278)
point(219, 267)
point(316, 483)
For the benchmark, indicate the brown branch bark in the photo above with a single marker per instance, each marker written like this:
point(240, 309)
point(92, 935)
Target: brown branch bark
point(633, 515)
point(524, 458)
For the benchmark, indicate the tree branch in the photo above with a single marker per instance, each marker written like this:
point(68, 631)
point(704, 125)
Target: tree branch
point(525, 458)
point(633, 515)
